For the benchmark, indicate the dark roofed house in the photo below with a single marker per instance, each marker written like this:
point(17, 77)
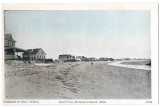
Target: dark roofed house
point(11, 52)
point(34, 54)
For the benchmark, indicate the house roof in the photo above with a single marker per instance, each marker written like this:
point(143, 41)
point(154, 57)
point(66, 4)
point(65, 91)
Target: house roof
point(9, 37)
point(27, 52)
point(32, 51)
point(16, 49)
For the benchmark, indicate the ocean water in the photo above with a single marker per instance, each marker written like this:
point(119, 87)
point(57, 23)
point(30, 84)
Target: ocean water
point(135, 64)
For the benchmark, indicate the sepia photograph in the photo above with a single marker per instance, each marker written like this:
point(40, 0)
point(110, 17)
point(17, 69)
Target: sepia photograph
point(77, 54)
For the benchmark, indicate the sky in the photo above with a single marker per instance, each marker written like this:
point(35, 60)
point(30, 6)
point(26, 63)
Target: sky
point(90, 33)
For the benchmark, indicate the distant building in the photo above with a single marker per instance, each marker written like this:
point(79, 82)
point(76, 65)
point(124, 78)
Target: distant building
point(34, 54)
point(106, 59)
point(66, 57)
point(91, 59)
point(103, 59)
point(111, 59)
point(11, 52)
point(126, 58)
point(81, 58)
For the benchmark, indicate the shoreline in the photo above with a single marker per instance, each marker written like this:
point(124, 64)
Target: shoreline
point(120, 64)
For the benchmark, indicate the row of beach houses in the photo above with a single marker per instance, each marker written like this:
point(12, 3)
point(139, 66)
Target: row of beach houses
point(15, 53)
point(72, 58)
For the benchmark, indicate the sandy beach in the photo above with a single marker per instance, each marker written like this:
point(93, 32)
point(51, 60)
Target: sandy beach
point(76, 80)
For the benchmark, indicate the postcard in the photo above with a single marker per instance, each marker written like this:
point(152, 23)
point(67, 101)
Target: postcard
point(88, 53)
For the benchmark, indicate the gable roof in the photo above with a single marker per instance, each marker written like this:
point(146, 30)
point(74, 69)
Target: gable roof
point(35, 51)
point(27, 52)
point(32, 51)
point(9, 37)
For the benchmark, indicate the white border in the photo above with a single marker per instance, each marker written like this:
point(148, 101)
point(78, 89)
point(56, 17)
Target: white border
point(154, 54)
point(153, 7)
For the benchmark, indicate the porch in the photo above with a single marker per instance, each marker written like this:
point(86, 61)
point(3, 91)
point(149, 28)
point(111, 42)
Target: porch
point(13, 53)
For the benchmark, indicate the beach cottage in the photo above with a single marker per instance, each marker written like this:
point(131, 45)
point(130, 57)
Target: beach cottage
point(66, 57)
point(34, 54)
point(11, 51)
